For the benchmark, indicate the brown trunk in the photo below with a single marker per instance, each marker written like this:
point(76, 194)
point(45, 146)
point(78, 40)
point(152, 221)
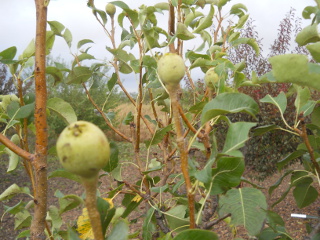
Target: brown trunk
point(39, 162)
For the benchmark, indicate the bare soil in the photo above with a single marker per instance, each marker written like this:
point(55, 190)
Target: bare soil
point(295, 227)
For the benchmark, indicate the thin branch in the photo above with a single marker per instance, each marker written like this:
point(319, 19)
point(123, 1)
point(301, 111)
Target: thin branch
point(16, 149)
point(303, 134)
point(208, 225)
point(104, 116)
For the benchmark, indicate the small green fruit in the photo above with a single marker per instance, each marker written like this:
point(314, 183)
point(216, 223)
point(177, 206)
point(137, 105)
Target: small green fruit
point(83, 149)
point(171, 69)
point(110, 9)
point(211, 79)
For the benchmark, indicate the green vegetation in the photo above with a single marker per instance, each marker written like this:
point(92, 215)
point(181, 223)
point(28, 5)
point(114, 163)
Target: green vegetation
point(186, 149)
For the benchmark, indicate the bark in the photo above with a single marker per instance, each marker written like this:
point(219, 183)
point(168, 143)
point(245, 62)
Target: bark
point(39, 162)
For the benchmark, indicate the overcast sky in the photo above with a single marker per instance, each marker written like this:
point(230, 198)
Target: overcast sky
point(17, 21)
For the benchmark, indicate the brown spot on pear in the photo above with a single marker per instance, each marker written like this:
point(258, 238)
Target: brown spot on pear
point(83, 149)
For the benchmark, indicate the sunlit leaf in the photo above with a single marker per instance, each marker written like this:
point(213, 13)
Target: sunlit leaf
point(205, 22)
point(229, 103)
point(294, 68)
point(237, 136)
point(245, 206)
point(63, 109)
point(280, 101)
point(22, 219)
point(308, 34)
point(7, 55)
point(79, 74)
point(314, 50)
point(196, 234)
point(183, 33)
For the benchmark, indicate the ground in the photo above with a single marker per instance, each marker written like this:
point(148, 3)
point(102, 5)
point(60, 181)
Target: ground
point(296, 227)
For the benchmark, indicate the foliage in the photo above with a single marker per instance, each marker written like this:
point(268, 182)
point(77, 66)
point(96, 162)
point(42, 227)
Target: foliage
point(180, 190)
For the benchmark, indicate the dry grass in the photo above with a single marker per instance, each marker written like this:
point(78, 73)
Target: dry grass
point(123, 110)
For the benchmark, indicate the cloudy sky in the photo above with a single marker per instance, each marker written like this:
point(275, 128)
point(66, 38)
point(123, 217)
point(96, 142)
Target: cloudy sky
point(17, 21)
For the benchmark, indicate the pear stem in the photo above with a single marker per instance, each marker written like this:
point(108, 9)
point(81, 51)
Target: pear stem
point(90, 185)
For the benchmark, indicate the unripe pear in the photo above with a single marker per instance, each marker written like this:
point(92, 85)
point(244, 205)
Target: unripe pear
point(110, 9)
point(211, 79)
point(171, 69)
point(83, 149)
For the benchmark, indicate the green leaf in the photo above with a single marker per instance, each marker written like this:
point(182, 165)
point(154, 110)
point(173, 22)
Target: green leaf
point(294, 68)
point(83, 42)
point(183, 33)
point(29, 51)
point(315, 116)
point(120, 231)
point(238, 9)
point(264, 129)
point(63, 109)
point(22, 219)
point(50, 38)
point(81, 57)
point(131, 202)
point(158, 136)
point(72, 235)
point(305, 194)
point(191, 16)
point(205, 22)
point(274, 219)
point(24, 234)
point(176, 218)
point(56, 27)
point(242, 21)
point(13, 157)
point(55, 217)
point(270, 233)
point(283, 162)
point(314, 50)
point(279, 181)
point(279, 101)
point(133, 15)
point(148, 227)
point(67, 37)
point(227, 174)
point(15, 111)
point(64, 174)
point(55, 73)
point(12, 191)
point(79, 75)
point(103, 207)
point(237, 136)
point(7, 55)
point(308, 34)
point(114, 158)
point(245, 206)
point(69, 202)
point(112, 81)
point(250, 41)
point(229, 103)
point(308, 11)
point(221, 3)
point(196, 234)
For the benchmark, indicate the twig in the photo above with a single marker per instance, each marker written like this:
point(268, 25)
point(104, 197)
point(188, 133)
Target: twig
point(208, 225)
point(303, 134)
point(160, 219)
